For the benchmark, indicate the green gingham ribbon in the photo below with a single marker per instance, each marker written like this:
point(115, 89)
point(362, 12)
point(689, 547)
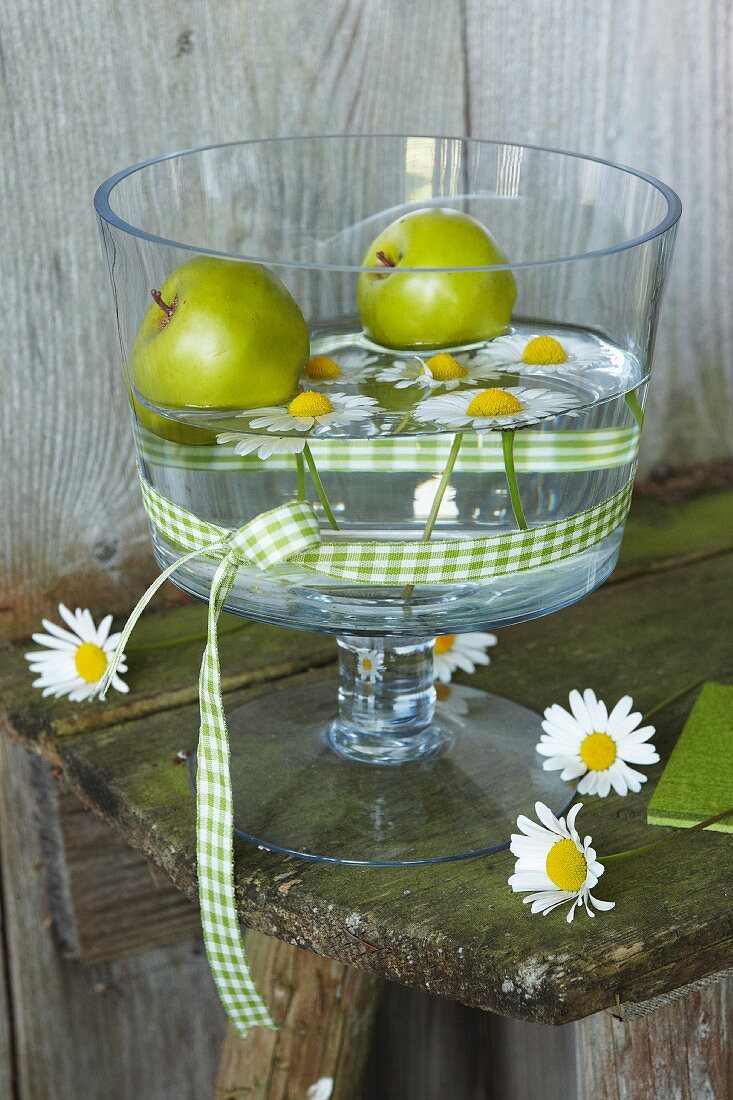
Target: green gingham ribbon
point(291, 533)
point(534, 452)
point(265, 541)
point(440, 561)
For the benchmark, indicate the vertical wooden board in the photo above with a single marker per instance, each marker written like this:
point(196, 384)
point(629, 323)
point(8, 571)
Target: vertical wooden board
point(426, 1048)
point(148, 1026)
point(529, 1060)
point(683, 1050)
point(7, 1053)
point(89, 87)
point(324, 1012)
point(650, 85)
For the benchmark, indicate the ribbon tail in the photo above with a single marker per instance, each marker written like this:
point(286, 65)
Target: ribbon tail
point(142, 603)
point(215, 843)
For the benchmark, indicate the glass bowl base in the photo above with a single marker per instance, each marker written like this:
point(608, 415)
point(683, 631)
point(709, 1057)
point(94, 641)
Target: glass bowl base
point(294, 794)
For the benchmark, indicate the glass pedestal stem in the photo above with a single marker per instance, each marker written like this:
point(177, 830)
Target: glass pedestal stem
point(386, 700)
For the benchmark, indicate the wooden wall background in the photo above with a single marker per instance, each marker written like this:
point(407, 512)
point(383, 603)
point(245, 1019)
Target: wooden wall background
point(90, 85)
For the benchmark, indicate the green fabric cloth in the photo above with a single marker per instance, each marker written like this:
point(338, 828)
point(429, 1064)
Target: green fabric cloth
point(698, 779)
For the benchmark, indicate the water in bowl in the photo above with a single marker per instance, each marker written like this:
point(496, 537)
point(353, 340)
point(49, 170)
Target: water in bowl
point(381, 475)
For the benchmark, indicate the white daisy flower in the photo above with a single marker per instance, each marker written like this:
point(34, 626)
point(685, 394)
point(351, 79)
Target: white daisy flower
point(439, 371)
point(353, 361)
point(322, 370)
point(537, 353)
point(311, 409)
point(464, 651)
point(262, 446)
point(370, 665)
point(484, 410)
point(587, 741)
point(554, 864)
point(75, 660)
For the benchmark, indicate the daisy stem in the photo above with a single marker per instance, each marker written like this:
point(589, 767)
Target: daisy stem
point(403, 423)
point(443, 485)
point(319, 487)
point(300, 467)
point(617, 856)
point(507, 443)
point(438, 498)
point(635, 407)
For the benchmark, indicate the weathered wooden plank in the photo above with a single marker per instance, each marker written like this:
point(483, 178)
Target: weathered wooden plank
point(104, 899)
point(88, 1031)
point(165, 653)
point(118, 903)
point(525, 1060)
point(150, 83)
point(572, 75)
point(657, 532)
point(324, 1012)
point(427, 1048)
point(684, 1050)
point(457, 930)
point(7, 1042)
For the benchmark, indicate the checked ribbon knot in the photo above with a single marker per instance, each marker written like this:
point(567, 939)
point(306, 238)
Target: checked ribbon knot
point(291, 532)
point(268, 539)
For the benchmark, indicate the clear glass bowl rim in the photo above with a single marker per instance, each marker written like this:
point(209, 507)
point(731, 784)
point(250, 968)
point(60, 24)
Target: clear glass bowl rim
point(103, 195)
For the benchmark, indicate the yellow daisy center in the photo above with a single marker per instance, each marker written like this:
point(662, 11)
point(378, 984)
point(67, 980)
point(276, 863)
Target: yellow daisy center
point(566, 867)
point(444, 643)
point(91, 662)
point(444, 368)
point(598, 751)
point(310, 403)
point(321, 368)
point(544, 351)
point(366, 664)
point(494, 403)
point(442, 692)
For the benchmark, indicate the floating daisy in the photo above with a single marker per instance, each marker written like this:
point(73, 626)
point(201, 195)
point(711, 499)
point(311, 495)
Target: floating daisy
point(262, 446)
point(533, 353)
point(587, 741)
point(312, 409)
point(483, 410)
point(464, 651)
point(322, 370)
point(370, 665)
point(74, 660)
point(554, 864)
point(440, 370)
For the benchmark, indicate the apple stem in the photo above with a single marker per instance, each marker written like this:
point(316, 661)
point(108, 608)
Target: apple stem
point(158, 299)
point(385, 260)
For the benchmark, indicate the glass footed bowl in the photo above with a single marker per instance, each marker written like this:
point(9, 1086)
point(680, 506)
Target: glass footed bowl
point(459, 485)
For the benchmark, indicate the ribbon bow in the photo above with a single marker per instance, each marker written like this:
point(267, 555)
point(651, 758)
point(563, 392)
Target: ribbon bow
point(268, 539)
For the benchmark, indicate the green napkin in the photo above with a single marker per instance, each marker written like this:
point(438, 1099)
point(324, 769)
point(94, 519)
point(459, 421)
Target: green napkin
point(698, 779)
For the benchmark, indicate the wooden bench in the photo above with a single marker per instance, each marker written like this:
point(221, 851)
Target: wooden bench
point(664, 621)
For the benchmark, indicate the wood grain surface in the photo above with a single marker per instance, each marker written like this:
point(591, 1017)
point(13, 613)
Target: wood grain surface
point(324, 1012)
point(456, 930)
point(117, 1030)
point(684, 1050)
point(88, 87)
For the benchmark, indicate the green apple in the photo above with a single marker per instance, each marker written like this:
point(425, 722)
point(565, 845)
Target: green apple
point(220, 334)
point(173, 430)
point(434, 309)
